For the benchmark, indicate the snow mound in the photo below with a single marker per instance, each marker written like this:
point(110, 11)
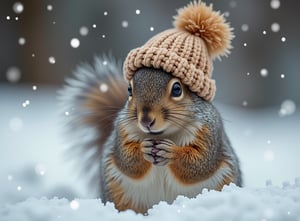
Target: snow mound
point(232, 203)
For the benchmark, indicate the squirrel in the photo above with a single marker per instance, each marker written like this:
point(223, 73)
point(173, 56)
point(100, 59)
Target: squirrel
point(163, 137)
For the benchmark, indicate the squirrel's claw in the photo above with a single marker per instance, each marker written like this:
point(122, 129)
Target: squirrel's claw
point(149, 157)
point(147, 146)
point(166, 149)
point(158, 152)
point(148, 150)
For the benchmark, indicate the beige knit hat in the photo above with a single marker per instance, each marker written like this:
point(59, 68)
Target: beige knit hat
point(187, 51)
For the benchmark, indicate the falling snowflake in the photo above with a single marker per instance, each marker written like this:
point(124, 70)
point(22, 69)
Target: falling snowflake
point(40, 169)
point(13, 74)
point(18, 7)
point(8, 17)
point(264, 32)
point(19, 188)
point(105, 13)
point(282, 76)
point(275, 27)
point(288, 107)
point(67, 113)
point(26, 103)
point(275, 4)
point(283, 39)
point(49, 7)
point(124, 24)
point(22, 41)
point(94, 26)
point(137, 11)
point(103, 87)
point(245, 44)
point(151, 28)
point(51, 60)
point(244, 27)
point(83, 31)
point(15, 124)
point(34, 87)
point(74, 205)
point(226, 14)
point(232, 4)
point(74, 42)
point(245, 103)
point(264, 72)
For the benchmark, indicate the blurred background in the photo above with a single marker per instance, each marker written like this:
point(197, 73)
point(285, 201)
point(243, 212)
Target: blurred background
point(261, 70)
point(42, 42)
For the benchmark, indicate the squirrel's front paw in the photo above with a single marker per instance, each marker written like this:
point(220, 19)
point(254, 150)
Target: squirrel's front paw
point(158, 152)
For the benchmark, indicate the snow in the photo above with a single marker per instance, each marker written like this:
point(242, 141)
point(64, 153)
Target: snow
point(51, 60)
point(36, 165)
point(275, 27)
point(13, 74)
point(275, 4)
point(74, 42)
point(244, 27)
point(18, 7)
point(288, 107)
point(103, 87)
point(49, 7)
point(83, 31)
point(21, 41)
point(264, 72)
point(232, 203)
point(125, 24)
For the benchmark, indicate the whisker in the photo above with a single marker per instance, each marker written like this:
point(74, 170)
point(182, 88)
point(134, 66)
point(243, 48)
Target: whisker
point(181, 123)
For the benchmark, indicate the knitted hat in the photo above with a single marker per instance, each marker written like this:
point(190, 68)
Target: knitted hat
point(186, 51)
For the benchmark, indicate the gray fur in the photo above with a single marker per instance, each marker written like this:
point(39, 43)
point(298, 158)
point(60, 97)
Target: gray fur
point(82, 138)
point(150, 84)
point(221, 146)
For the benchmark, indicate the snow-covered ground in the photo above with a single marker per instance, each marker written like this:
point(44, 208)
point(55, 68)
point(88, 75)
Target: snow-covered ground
point(233, 203)
point(34, 164)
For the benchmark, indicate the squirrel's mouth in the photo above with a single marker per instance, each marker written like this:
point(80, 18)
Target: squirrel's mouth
point(155, 132)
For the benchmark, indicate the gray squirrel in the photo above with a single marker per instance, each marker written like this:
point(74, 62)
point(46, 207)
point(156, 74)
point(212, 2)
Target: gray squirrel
point(154, 135)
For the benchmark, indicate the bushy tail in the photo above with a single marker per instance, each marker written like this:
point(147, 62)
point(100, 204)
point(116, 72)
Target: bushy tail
point(91, 100)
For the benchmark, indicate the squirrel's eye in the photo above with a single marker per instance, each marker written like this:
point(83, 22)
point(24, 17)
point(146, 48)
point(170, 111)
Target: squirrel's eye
point(176, 90)
point(129, 90)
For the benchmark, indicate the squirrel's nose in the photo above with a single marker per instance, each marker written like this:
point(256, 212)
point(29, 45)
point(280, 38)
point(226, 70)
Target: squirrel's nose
point(147, 122)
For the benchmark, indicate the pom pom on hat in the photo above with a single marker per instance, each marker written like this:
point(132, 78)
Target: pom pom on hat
point(200, 20)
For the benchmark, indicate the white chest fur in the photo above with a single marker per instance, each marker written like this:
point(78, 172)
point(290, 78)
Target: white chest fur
point(160, 185)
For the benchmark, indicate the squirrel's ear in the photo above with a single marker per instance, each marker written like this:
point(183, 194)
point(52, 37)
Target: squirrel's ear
point(200, 20)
